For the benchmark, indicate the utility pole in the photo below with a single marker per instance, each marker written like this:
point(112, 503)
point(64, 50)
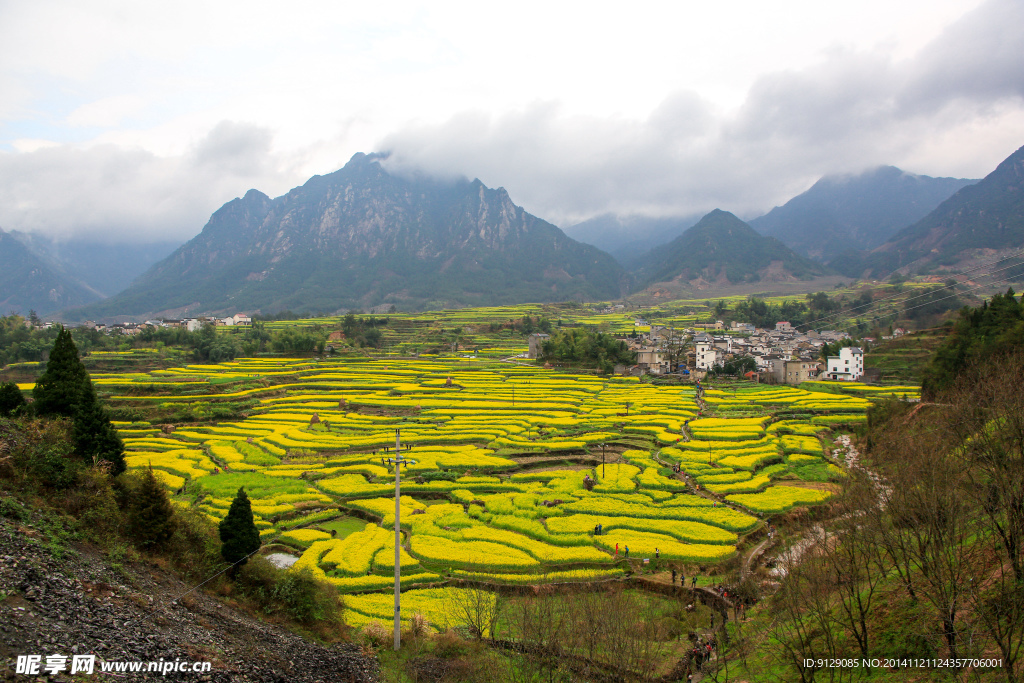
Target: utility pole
point(398, 461)
point(602, 461)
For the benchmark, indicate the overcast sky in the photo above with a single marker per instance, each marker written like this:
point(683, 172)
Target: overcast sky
point(129, 119)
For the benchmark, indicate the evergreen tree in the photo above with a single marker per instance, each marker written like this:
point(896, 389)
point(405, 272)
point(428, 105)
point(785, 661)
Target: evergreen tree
point(95, 437)
point(59, 390)
point(66, 390)
point(151, 516)
point(238, 532)
point(990, 331)
point(11, 400)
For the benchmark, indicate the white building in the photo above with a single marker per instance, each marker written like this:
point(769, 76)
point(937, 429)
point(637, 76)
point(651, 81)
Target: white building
point(744, 328)
point(704, 346)
point(848, 365)
point(536, 341)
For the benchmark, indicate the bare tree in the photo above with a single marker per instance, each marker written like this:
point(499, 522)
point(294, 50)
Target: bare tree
point(986, 419)
point(474, 609)
point(933, 525)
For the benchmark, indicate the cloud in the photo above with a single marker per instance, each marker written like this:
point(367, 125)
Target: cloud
point(107, 112)
point(953, 107)
point(851, 110)
point(111, 192)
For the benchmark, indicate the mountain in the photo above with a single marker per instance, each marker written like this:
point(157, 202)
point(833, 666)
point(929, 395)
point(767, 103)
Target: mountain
point(107, 267)
point(28, 282)
point(861, 211)
point(629, 237)
point(980, 220)
point(362, 237)
point(722, 248)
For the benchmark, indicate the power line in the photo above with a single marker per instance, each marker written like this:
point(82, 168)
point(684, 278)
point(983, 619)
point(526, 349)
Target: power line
point(896, 296)
point(873, 303)
point(928, 303)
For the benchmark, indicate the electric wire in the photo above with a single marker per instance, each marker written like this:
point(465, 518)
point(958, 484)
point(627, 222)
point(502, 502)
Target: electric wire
point(896, 296)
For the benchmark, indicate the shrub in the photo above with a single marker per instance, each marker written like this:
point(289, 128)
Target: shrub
point(307, 600)
point(151, 516)
point(40, 452)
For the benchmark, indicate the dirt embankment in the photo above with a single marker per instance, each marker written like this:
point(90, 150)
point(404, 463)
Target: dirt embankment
point(77, 603)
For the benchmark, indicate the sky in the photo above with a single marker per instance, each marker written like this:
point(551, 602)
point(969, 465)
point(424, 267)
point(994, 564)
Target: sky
point(135, 121)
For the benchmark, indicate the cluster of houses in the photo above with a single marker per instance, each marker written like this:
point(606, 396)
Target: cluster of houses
point(190, 324)
point(783, 355)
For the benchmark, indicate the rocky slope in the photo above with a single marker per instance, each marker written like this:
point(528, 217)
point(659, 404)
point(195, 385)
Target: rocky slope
point(28, 282)
point(980, 221)
point(855, 211)
point(78, 604)
point(362, 237)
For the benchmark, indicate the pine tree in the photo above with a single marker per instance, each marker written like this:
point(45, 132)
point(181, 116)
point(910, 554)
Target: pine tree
point(238, 532)
point(66, 390)
point(151, 516)
point(59, 390)
point(11, 400)
point(95, 437)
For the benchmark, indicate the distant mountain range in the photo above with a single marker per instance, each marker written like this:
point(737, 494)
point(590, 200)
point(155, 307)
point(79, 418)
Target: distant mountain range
point(842, 212)
point(979, 221)
point(29, 283)
point(722, 249)
point(628, 237)
point(361, 237)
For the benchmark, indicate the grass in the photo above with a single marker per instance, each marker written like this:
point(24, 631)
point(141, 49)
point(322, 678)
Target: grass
point(343, 526)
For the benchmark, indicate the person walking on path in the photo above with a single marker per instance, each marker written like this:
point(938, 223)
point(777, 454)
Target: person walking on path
point(693, 581)
point(627, 551)
point(673, 577)
point(657, 554)
point(616, 550)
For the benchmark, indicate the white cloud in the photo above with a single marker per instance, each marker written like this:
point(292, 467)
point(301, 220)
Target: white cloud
point(114, 193)
point(106, 113)
point(665, 108)
point(850, 110)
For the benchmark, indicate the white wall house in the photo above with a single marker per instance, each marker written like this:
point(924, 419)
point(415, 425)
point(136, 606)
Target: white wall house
point(704, 347)
point(848, 365)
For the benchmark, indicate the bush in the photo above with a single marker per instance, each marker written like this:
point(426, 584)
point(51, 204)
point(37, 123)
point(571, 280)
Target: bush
point(40, 452)
point(376, 635)
point(307, 600)
point(93, 502)
point(12, 402)
point(151, 519)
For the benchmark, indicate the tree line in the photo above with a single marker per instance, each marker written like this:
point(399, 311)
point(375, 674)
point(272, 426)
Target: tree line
point(586, 348)
point(934, 533)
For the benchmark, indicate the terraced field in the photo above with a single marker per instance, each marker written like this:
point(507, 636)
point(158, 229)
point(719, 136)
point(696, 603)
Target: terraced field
point(507, 485)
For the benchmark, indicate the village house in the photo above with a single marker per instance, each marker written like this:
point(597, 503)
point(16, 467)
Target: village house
point(848, 365)
point(784, 326)
point(536, 340)
point(794, 371)
point(706, 355)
